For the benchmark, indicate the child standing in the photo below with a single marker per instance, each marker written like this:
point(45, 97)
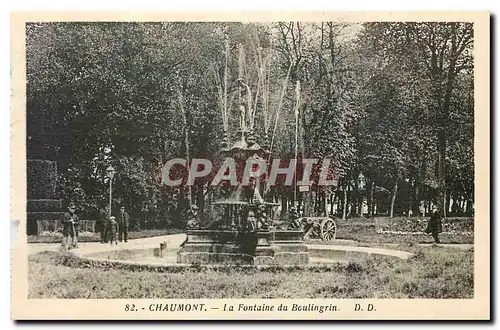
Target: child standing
point(113, 230)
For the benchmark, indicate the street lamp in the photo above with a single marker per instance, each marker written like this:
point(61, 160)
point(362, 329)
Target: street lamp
point(110, 173)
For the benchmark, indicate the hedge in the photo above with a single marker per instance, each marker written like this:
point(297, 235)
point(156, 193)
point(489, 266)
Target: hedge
point(41, 179)
point(457, 226)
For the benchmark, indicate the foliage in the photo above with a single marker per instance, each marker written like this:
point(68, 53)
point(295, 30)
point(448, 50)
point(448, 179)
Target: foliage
point(387, 100)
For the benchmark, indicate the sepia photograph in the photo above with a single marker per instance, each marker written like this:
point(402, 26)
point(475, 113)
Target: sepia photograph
point(245, 162)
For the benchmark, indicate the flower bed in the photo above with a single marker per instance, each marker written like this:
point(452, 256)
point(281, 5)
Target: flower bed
point(59, 234)
point(55, 227)
point(417, 226)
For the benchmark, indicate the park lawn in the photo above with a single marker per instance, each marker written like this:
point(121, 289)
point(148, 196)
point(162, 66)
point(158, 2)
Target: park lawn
point(433, 272)
point(364, 231)
point(96, 237)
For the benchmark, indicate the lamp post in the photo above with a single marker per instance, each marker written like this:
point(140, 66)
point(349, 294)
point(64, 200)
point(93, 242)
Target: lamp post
point(110, 173)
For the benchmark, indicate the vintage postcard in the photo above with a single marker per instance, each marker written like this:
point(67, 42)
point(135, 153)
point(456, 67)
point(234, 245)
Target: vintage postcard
point(251, 166)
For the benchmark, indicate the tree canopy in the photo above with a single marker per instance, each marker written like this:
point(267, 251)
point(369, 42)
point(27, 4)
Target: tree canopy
point(389, 103)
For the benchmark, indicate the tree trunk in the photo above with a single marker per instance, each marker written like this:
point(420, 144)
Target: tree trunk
point(353, 205)
point(416, 210)
point(448, 202)
point(369, 202)
point(284, 207)
point(344, 205)
point(441, 197)
point(372, 207)
point(340, 202)
point(410, 197)
point(394, 192)
point(317, 209)
point(462, 204)
point(360, 206)
point(332, 202)
point(355, 199)
point(299, 201)
point(308, 203)
point(325, 204)
point(451, 74)
point(186, 139)
point(470, 205)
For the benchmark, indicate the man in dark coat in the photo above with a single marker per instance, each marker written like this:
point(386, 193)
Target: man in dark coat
point(70, 226)
point(123, 223)
point(104, 224)
point(434, 227)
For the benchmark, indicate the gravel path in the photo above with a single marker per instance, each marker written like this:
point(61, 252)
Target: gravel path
point(89, 247)
point(174, 241)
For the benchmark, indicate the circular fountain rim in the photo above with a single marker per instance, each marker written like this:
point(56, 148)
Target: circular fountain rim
point(89, 257)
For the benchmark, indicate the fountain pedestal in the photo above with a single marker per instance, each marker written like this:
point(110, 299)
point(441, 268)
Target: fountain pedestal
point(263, 254)
point(289, 247)
point(211, 247)
point(231, 247)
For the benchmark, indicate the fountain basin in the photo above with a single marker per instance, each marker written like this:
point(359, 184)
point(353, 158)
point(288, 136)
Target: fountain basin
point(140, 258)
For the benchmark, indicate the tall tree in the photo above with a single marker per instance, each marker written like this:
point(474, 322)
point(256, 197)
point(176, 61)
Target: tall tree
point(435, 54)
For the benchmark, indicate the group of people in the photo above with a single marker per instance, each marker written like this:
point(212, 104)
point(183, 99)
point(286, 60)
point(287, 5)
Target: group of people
point(111, 228)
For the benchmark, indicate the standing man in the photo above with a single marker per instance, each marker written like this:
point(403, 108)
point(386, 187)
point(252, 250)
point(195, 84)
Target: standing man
point(123, 222)
point(104, 224)
point(70, 226)
point(434, 227)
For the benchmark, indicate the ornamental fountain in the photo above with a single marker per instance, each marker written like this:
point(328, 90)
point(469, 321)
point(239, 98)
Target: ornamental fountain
point(243, 233)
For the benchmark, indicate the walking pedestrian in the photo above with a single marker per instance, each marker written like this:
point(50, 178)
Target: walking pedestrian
point(434, 227)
